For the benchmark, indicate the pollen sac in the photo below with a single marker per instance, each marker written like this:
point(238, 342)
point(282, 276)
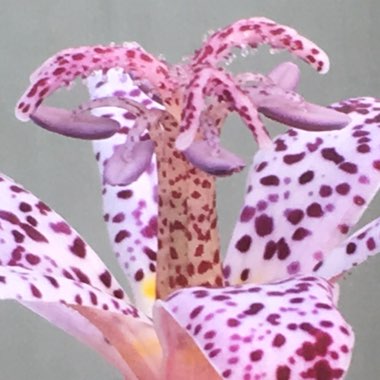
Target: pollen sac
point(217, 161)
point(308, 116)
point(81, 125)
point(128, 162)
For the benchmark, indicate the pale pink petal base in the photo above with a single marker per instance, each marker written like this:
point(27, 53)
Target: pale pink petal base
point(183, 359)
point(73, 323)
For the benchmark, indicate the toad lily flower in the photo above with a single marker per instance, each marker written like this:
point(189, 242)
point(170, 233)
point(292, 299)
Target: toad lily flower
point(270, 311)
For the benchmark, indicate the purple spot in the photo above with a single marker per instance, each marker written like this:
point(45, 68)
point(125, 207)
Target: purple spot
point(270, 180)
point(61, 228)
point(280, 145)
point(243, 244)
point(106, 278)
point(247, 214)
point(261, 166)
point(33, 233)
point(270, 250)
point(371, 245)
point(82, 277)
point(291, 159)
point(78, 248)
point(254, 309)
point(300, 234)
point(358, 200)
point(283, 250)
point(244, 274)
point(314, 210)
point(256, 355)
point(262, 205)
point(263, 225)
point(363, 179)
point(227, 271)
point(195, 312)
point(35, 291)
point(351, 248)
point(294, 216)
point(363, 148)
point(232, 322)
point(306, 177)
point(273, 198)
point(331, 154)
point(325, 191)
point(349, 167)
point(343, 188)
point(293, 268)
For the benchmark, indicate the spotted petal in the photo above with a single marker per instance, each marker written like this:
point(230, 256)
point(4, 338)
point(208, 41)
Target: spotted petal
point(47, 267)
point(352, 251)
point(130, 211)
point(286, 330)
point(65, 66)
point(252, 32)
point(306, 182)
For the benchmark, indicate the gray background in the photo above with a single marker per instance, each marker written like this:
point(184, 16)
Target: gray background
point(63, 173)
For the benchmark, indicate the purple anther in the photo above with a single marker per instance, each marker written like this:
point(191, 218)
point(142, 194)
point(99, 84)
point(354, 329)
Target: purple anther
point(306, 116)
point(128, 163)
point(218, 162)
point(78, 125)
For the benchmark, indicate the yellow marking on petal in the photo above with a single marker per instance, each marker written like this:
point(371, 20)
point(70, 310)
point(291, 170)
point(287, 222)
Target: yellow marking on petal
point(149, 287)
point(148, 346)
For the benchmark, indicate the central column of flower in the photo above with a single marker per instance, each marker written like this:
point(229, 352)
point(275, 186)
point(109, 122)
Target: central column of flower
point(188, 241)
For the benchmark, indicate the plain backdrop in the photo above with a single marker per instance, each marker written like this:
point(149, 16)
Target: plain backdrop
point(62, 171)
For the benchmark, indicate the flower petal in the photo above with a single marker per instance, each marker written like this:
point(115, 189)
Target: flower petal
point(252, 32)
point(352, 251)
point(67, 65)
point(34, 237)
point(307, 180)
point(287, 330)
point(46, 266)
point(129, 210)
